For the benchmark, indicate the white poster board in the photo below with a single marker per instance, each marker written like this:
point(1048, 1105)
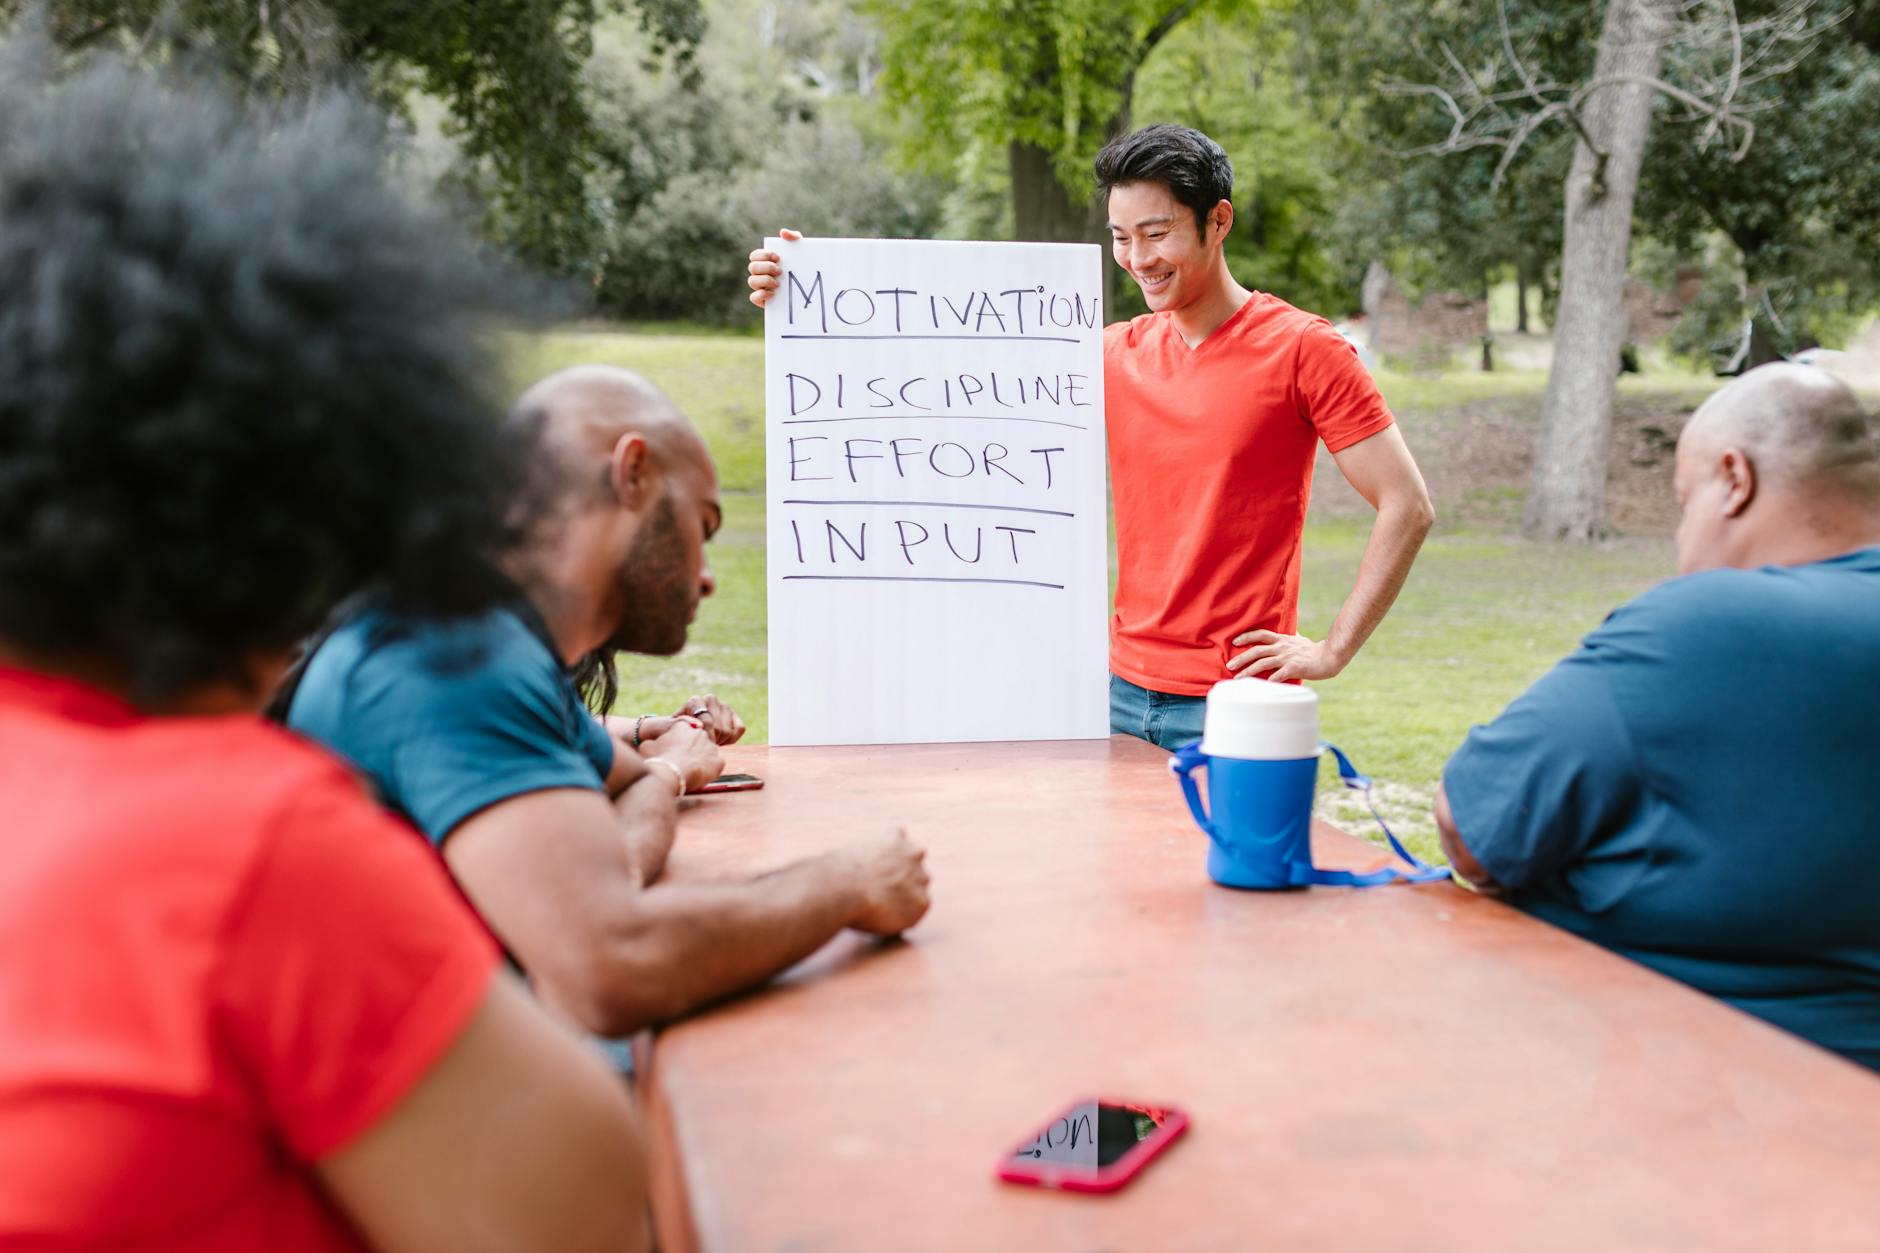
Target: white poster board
point(938, 554)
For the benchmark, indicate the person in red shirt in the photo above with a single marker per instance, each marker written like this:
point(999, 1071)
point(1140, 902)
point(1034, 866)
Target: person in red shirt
point(241, 1007)
point(1215, 402)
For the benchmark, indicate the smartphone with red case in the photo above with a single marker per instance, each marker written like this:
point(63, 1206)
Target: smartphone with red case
point(1097, 1145)
point(733, 783)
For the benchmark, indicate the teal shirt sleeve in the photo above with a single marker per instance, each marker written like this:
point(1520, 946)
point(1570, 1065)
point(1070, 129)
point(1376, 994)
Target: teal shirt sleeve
point(449, 719)
point(1552, 777)
point(501, 732)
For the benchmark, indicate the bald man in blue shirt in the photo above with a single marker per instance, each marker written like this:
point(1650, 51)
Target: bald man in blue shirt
point(1695, 787)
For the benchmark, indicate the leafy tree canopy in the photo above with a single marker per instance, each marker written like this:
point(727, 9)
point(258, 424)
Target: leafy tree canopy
point(509, 71)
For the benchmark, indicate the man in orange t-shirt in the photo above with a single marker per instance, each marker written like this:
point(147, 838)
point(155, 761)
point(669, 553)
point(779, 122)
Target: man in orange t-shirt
point(1216, 401)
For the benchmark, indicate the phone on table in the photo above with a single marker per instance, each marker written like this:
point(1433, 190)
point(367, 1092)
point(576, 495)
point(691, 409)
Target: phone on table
point(733, 783)
point(1096, 1145)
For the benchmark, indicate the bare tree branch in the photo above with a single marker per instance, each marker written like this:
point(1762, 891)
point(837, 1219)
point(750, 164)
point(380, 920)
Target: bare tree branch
point(1713, 56)
point(1514, 58)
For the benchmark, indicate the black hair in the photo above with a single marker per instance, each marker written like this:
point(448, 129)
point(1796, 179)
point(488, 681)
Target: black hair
point(597, 678)
point(1193, 167)
point(240, 379)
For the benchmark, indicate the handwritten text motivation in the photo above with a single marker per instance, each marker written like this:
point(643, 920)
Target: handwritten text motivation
point(815, 306)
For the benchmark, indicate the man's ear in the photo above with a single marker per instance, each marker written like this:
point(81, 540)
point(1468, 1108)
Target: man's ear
point(1740, 473)
point(630, 470)
point(1221, 216)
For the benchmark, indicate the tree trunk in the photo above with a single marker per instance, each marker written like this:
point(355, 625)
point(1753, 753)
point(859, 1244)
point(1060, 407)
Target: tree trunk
point(1567, 497)
point(1043, 211)
point(1520, 298)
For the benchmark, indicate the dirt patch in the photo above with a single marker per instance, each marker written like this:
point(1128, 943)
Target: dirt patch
point(1476, 457)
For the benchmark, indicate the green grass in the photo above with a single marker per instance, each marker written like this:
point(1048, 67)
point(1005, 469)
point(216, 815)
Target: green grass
point(718, 380)
point(1484, 614)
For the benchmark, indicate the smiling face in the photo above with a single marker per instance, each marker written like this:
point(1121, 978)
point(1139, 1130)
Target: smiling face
point(1155, 238)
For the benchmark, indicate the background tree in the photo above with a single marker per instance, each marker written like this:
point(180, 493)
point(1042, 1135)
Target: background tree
point(776, 119)
point(1445, 223)
point(1049, 82)
point(1699, 55)
point(1612, 119)
point(1798, 214)
point(508, 71)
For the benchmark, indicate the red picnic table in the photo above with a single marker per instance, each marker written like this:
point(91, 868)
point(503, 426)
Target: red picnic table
point(1398, 1068)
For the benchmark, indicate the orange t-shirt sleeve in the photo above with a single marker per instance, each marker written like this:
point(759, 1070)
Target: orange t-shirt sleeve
point(353, 966)
point(1336, 393)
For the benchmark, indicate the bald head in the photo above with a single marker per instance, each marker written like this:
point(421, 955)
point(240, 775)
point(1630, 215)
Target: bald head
point(1800, 427)
point(1781, 467)
point(617, 497)
point(569, 424)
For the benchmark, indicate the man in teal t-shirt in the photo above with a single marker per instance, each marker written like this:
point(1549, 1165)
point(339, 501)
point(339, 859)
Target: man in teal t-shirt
point(1693, 788)
point(557, 832)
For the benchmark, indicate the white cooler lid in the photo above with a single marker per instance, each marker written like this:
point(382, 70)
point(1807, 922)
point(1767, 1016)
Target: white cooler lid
point(1258, 720)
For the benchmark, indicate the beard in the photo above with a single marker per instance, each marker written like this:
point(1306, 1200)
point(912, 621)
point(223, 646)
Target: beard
point(654, 592)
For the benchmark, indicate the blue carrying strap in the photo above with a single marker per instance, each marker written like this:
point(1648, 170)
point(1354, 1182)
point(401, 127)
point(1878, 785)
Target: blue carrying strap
point(1420, 871)
point(1189, 757)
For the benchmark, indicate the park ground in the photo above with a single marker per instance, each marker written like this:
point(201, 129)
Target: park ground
point(1484, 614)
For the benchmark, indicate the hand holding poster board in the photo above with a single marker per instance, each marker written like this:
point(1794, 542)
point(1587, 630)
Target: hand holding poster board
point(937, 512)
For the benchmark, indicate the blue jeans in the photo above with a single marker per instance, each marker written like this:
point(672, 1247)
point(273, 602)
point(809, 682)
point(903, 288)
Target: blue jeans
point(1162, 718)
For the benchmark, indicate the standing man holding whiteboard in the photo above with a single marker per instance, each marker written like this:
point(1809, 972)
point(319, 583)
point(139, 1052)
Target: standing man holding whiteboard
point(1216, 401)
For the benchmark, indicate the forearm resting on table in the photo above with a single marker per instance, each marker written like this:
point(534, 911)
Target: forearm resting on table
point(665, 952)
point(649, 819)
point(627, 769)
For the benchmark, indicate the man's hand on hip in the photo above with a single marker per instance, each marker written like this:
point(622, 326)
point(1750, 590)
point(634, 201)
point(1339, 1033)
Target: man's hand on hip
point(1282, 657)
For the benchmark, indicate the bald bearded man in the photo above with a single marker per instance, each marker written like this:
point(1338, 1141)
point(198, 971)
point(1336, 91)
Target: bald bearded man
point(556, 830)
point(1693, 787)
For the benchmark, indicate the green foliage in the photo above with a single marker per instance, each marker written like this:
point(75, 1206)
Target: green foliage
point(1439, 220)
point(1044, 82)
point(766, 127)
point(509, 71)
point(1800, 210)
point(1049, 73)
point(1235, 80)
point(683, 254)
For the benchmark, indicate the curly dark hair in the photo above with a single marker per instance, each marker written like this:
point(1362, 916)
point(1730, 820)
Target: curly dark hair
point(240, 378)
